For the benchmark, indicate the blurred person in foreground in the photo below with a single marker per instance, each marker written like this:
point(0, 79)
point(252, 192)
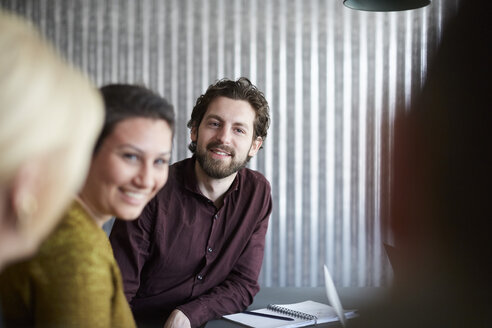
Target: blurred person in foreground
point(196, 251)
point(74, 280)
point(50, 116)
point(442, 187)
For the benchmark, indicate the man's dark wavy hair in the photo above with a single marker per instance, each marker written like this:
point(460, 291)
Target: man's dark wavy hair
point(242, 89)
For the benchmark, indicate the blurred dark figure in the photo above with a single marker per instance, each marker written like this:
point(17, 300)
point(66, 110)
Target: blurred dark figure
point(441, 205)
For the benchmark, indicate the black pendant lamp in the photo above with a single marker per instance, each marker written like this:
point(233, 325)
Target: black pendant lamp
point(385, 5)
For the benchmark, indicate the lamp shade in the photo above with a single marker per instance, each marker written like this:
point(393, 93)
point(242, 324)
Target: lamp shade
point(385, 5)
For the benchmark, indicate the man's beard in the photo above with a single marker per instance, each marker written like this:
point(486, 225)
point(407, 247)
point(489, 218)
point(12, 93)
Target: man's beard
point(216, 168)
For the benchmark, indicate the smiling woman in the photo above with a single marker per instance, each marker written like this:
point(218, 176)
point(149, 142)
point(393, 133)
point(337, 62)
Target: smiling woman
point(131, 159)
point(128, 169)
point(74, 279)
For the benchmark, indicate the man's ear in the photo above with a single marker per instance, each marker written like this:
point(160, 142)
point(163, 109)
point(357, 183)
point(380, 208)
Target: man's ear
point(194, 134)
point(255, 146)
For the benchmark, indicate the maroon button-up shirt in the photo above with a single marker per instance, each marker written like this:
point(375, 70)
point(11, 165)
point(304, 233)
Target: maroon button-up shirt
point(183, 252)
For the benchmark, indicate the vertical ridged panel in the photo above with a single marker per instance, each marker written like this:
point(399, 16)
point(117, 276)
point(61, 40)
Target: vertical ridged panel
point(335, 79)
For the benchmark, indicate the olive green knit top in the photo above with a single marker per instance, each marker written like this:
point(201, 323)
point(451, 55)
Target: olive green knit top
point(74, 280)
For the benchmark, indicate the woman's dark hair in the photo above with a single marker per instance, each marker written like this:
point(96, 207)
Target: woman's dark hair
point(242, 89)
point(123, 101)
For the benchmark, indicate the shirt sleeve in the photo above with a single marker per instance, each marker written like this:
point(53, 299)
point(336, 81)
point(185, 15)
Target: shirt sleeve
point(130, 241)
point(236, 292)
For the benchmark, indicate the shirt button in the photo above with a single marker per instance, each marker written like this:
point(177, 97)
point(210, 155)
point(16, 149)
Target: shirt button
point(199, 277)
point(210, 250)
point(216, 217)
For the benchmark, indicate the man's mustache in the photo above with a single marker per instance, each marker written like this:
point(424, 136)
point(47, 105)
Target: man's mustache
point(221, 146)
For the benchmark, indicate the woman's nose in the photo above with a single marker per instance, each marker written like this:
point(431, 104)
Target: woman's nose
point(144, 176)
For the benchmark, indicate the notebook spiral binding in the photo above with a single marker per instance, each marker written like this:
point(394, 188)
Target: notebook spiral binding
point(292, 313)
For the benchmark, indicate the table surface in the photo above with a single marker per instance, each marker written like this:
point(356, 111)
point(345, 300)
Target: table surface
point(351, 298)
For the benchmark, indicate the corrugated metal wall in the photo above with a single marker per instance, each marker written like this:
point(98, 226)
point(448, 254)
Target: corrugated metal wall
point(334, 78)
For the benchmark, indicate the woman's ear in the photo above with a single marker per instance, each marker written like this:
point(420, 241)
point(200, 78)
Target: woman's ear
point(18, 209)
point(6, 210)
point(22, 194)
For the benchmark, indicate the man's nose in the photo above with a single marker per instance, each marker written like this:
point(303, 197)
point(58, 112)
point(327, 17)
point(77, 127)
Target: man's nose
point(224, 135)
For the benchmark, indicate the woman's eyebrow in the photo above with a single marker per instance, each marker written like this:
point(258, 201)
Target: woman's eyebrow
point(135, 148)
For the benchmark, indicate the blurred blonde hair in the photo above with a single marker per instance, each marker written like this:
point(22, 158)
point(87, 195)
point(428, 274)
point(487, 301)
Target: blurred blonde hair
point(44, 103)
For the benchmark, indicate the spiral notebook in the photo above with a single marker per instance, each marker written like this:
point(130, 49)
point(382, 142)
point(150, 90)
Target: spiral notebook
point(304, 314)
point(300, 314)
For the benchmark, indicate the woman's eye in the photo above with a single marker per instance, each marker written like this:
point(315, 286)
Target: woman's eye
point(214, 124)
point(161, 161)
point(130, 157)
point(241, 131)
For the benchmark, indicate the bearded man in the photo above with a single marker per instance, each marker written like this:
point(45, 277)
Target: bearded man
point(195, 253)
